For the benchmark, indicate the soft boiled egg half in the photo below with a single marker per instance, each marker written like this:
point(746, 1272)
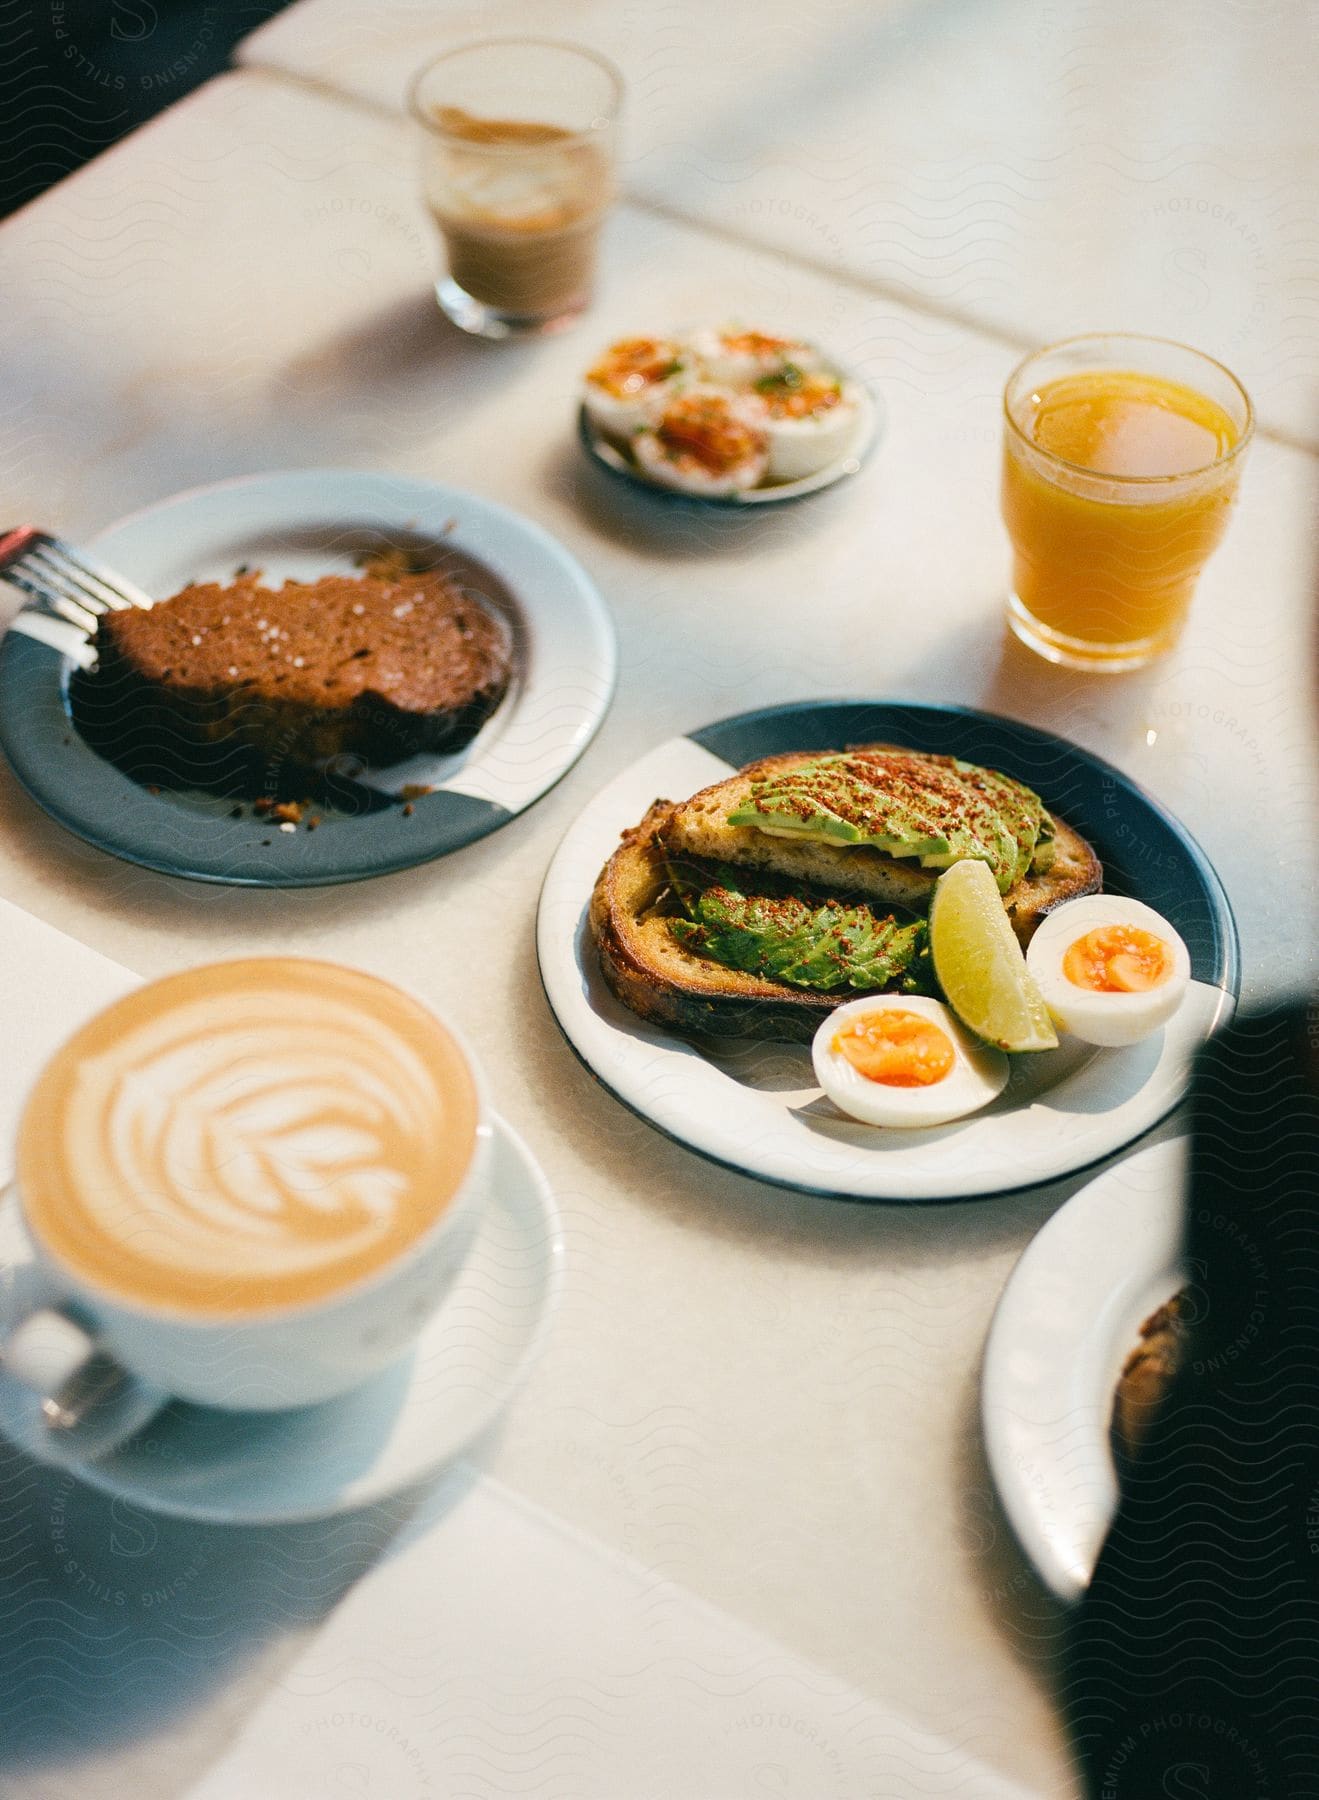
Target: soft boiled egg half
point(812, 420)
point(631, 381)
point(902, 1059)
point(707, 443)
point(1111, 971)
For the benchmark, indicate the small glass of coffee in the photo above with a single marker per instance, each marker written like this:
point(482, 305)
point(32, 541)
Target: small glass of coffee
point(518, 173)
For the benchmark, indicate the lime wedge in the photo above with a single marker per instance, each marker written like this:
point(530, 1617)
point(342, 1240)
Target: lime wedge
point(979, 963)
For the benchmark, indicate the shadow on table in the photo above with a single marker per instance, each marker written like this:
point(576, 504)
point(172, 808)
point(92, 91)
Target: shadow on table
point(1028, 1618)
point(1025, 686)
point(204, 920)
point(114, 1619)
point(655, 523)
point(985, 666)
point(409, 351)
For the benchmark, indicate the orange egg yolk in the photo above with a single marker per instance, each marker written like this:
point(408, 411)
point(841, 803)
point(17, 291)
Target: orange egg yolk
point(1118, 959)
point(802, 398)
point(753, 343)
point(634, 364)
point(896, 1049)
point(704, 429)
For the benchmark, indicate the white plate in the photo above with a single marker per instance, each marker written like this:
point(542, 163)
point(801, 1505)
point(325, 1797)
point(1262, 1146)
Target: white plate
point(1068, 1319)
point(391, 1433)
point(757, 1107)
point(299, 525)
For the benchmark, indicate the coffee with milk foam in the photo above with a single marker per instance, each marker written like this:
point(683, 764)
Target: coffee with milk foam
point(246, 1137)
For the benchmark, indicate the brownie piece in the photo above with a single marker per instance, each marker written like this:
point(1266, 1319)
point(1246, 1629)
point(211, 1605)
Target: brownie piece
point(376, 667)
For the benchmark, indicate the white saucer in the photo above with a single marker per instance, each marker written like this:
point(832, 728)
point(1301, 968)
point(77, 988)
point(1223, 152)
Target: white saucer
point(1068, 1319)
point(391, 1433)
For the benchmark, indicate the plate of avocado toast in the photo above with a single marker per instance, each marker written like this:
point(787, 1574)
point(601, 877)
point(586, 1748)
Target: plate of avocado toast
point(724, 895)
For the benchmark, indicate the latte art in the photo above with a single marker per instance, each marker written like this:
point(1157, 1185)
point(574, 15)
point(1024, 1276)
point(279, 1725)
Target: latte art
point(283, 1136)
point(246, 1136)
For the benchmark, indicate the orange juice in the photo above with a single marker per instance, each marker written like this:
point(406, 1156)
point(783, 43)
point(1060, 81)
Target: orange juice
point(1117, 484)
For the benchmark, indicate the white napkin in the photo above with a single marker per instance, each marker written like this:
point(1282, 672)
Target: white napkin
point(52, 983)
point(494, 1652)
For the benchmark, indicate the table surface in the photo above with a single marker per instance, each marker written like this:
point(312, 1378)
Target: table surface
point(1037, 168)
point(769, 1398)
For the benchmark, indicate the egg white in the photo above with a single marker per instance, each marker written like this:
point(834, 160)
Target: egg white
point(739, 368)
point(798, 447)
point(978, 1075)
point(1110, 1020)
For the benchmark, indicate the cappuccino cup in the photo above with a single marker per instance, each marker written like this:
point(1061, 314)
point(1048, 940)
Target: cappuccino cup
point(248, 1185)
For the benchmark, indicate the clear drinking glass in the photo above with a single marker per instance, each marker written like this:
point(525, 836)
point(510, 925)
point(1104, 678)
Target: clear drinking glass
point(1108, 545)
point(518, 173)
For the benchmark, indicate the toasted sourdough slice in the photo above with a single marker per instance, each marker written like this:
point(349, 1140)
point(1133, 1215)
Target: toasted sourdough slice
point(699, 827)
point(653, 975)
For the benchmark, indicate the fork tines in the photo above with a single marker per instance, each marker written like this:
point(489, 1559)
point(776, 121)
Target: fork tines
point(75, 584)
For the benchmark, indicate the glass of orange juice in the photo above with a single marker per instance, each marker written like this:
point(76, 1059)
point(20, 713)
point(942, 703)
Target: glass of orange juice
point(1121, 458)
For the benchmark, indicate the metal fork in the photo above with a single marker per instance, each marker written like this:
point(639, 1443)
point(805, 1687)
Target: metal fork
point(71, 583)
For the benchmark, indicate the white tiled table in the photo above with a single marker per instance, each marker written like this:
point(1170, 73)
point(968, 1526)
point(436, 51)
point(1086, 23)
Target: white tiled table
point(1036, 167)
point(768, 1398)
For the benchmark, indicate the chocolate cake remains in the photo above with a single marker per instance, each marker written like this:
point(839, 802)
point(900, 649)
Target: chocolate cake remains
point(376, 667)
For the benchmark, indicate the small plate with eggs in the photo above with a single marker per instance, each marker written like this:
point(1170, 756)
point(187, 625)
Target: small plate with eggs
point(886, 951)
point(727, 414)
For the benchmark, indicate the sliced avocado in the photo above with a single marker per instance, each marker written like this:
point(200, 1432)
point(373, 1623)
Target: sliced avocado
point(823, 945)
point(1046, 848)
point(789, 811)
point(817, 825)
point(907, 805)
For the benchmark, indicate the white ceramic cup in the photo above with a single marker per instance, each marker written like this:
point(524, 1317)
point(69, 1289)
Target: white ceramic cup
point(59, 1320)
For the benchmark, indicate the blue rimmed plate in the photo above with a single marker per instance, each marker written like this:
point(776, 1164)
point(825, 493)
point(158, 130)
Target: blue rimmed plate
point(301, 524)
point(756, 1106)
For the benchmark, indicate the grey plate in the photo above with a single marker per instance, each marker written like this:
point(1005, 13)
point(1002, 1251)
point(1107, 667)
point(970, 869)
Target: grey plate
point(301, 524)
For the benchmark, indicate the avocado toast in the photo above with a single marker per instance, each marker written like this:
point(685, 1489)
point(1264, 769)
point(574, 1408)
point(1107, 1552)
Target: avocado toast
point(763, 902)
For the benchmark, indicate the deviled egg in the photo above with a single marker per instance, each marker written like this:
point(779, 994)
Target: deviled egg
point(812, 419)
point(706, 443)
point(904, 1060)
point(628, 385)
point(1111, 971)
point(738, 357)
